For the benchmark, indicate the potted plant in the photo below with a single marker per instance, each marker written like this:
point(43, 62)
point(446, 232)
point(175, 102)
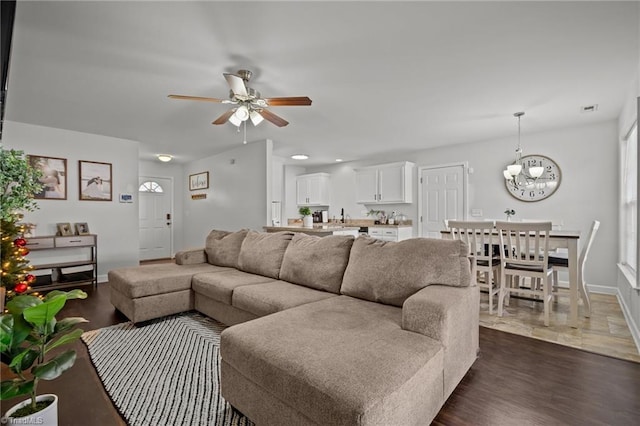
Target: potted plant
point(307, 220)
point(29, 332)
point(509, 213)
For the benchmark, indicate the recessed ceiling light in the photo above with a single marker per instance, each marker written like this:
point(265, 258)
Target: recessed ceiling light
point(300, 157)
point(164, 157)
point(339, 160)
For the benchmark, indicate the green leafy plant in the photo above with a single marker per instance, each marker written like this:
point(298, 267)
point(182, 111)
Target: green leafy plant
point(28, 333)
point(304, 211)
point(18, 182)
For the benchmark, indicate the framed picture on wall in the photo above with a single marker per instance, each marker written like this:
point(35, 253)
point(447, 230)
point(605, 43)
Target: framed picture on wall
point(53, 178)
point(199, 181)
point(95, 181)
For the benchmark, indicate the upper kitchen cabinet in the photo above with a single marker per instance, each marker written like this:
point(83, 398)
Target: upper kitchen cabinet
point(385, 183)
point(313, 189)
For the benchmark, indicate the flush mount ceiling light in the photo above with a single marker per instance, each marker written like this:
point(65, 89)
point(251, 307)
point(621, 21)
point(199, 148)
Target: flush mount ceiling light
point(300, 157)
point(164, 157)
point(339, 160)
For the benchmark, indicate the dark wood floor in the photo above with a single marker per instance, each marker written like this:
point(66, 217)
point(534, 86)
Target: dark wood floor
point(515, 381)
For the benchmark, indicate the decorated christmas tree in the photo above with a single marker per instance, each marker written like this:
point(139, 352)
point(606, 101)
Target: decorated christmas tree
point(18, 183)
point(15, 267)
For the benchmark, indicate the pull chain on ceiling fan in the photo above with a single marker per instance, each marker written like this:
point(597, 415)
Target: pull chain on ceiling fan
point(250, 105)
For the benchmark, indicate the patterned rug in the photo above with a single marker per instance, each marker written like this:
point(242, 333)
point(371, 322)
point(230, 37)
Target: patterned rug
point(164, 372)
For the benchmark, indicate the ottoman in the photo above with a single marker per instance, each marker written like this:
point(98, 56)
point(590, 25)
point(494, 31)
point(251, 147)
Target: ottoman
point(147, 292)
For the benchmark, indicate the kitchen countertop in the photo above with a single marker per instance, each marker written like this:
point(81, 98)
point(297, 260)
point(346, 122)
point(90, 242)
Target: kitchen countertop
point(317, 228)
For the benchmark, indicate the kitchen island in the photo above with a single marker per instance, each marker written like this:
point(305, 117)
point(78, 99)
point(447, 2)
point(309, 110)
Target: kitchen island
point(319, 230)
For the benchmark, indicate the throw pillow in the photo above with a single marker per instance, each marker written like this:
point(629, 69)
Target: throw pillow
point(261, 252)
point(317, 262)
point(223, 247)
point(390, 272)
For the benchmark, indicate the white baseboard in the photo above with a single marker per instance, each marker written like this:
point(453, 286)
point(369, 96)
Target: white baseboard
point(603, 289)
point(633, 327)
point(103, 278)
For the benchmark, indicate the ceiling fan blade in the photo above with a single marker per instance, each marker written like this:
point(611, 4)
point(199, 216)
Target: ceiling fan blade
point(224, 117)
point(236, 84)
point(196, 98)
point(269, 116)
point(289, 101)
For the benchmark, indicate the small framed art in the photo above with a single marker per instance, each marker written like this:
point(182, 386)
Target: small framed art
point(199, 181)
point(53, 177)
point(82, 228)
point(95, 181)
point(64, 229)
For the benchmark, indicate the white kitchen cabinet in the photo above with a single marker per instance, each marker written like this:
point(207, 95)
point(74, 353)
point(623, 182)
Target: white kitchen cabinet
point(390, 234)
point(385, 184)
point(313, 189)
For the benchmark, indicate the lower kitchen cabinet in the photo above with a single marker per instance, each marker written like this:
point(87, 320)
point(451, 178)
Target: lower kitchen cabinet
point(391, 234)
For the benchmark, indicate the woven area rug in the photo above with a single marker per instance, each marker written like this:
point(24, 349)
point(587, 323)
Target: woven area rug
point(165, 372)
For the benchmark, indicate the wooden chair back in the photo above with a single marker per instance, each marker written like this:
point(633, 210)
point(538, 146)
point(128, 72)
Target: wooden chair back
point(477, 235)
point(524, 244)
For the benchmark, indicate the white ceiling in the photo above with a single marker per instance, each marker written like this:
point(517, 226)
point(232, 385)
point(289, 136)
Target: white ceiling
point(382, 75)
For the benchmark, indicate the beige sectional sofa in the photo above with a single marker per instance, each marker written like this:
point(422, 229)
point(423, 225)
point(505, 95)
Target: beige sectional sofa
point(326, 331)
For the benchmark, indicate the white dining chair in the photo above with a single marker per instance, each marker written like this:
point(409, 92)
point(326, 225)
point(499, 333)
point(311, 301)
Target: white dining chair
point(525, 253)
point(560, 261)
point(477, 235)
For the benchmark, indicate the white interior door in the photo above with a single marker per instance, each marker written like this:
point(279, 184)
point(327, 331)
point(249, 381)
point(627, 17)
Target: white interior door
point(442, 196)
point(156, 215)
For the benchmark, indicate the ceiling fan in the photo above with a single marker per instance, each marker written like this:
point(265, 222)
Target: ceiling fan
point(249, 103)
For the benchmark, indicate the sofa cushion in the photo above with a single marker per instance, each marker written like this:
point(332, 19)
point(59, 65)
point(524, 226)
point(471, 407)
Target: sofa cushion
point(316, 262)
point(147, 280)
point(261, 253)
point(340, 361)
point(223, 247)
point(220, 285)
point(390, 272)
point(267, 298)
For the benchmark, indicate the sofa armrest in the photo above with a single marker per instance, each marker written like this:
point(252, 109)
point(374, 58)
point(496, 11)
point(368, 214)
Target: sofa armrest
point(191, 257)
point(449, 315)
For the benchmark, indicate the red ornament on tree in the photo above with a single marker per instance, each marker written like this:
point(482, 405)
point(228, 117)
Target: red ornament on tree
point(21, 287)
point(20, 242)
point(30, 278)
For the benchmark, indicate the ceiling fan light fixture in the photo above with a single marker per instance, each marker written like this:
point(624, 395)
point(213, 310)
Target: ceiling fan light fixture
point(256, 117)
point(235, 120)
point(242, 113)
point(165, 158)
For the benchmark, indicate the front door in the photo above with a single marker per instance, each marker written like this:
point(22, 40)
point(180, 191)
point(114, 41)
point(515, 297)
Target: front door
point(155, 217)
point(442, 197)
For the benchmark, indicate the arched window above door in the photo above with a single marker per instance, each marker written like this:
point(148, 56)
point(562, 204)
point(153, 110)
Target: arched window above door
point(150, 186)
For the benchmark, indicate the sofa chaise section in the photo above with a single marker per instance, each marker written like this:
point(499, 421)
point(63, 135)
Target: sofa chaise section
point(389, 350)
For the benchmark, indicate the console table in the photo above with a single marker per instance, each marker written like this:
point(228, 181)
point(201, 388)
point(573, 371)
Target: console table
point(57, 245)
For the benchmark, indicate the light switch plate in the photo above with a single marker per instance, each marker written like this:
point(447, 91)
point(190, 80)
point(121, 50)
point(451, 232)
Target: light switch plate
point(476, 212)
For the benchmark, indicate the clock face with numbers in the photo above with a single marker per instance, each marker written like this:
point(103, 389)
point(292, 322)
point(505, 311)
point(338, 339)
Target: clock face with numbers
point(526, 187)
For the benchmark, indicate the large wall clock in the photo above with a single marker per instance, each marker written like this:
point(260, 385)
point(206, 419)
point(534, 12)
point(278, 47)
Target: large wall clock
point(527, 188)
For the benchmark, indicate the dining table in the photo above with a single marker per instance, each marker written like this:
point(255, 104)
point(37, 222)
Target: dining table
point(564, 240)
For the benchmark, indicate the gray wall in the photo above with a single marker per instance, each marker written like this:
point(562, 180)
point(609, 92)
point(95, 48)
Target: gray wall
point(115, 223)
point(239, 194)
